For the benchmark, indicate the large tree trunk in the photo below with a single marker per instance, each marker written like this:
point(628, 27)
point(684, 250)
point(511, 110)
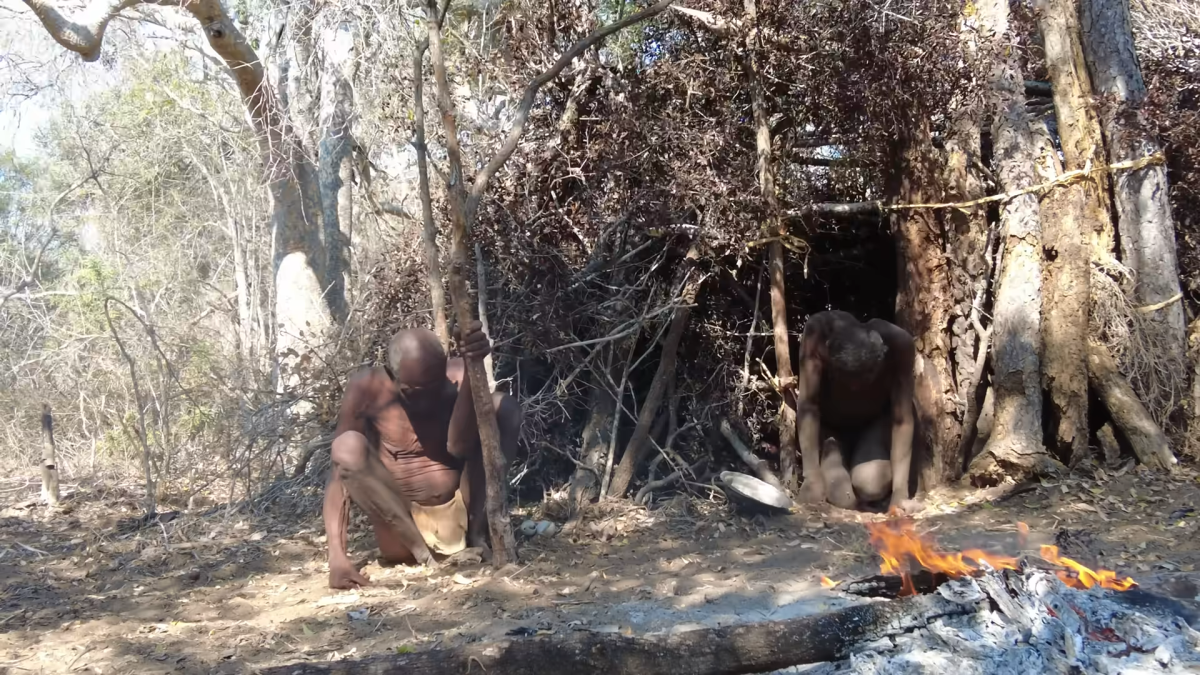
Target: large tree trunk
point(1077, 228)
point(1143, 209)
point(786, 420)
point(1014, 447)
point(635, 450)
point(924, 305)
point(335, 157)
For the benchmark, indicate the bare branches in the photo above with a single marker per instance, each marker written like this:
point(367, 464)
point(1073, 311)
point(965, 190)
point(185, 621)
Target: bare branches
point(527, 100)
point(83, 33)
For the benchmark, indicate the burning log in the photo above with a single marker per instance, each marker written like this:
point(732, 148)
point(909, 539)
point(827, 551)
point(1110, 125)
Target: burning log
point(746, 648)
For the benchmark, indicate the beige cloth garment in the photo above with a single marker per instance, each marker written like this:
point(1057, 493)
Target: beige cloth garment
point(444, 527)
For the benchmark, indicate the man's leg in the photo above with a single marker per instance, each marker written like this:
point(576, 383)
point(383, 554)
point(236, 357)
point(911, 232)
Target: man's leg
point(838, 486)
point(871, 464)
point(373, 489)
point(474, 478)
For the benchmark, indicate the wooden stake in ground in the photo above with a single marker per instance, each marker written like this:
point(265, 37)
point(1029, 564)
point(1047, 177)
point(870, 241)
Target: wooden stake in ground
point(49, 458)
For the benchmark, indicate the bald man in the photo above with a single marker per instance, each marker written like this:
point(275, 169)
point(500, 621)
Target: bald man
point(407, 451)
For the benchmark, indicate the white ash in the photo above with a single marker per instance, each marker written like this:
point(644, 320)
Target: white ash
point(1088, 632)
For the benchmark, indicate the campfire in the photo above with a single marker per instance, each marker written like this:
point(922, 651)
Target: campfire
point(899, 546)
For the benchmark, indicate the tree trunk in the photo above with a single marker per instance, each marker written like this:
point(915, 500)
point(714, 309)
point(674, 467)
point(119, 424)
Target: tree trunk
point(1145, 227)
point(1148, 441)
point(49, 458)
point(1078, 124)
point(334, 156)
point(504, 546)
point(482, 300)
point(786, 419)
point(924, 305)
point(1014, 447)
point(744, 648)
point(433, 265)
point(593, 447)
point(1076, 229)
point(636, 448)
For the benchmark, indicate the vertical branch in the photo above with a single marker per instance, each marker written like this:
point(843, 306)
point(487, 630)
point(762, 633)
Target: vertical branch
point(766, 183)
point(495, 465)
point(147, 467)
point(741, 398)
point(481, 292)
point(49, 458)
point(433, 265)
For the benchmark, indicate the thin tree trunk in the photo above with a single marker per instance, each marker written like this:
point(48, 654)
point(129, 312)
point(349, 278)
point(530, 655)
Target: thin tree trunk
point(786, 419)
point(1076, 228)
point(1014, 447)
point(635, 450)
point(923, 306)
point(585, 483)
point(433, 265)
point(504, 546)
point(49, 458)
point(1143, 209)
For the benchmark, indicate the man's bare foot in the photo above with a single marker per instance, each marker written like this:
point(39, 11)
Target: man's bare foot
point(812, 492)
point(467, 556)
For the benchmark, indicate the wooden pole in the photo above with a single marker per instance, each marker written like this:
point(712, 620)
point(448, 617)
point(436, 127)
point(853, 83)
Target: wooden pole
point(49, 458)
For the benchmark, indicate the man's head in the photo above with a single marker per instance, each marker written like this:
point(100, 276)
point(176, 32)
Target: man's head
point(856, 350)
point(416, 364)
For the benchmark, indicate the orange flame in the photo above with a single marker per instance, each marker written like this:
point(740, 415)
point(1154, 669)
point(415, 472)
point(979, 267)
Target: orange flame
point(1084, 577)
point(826, 582)
point(898, 543)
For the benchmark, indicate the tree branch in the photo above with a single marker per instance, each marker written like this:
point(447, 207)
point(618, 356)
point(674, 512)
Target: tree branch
point(522, 116)
point(82, 33)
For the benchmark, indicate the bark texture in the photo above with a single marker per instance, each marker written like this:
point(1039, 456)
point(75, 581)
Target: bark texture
point(746, 648)
point(1076, 228)
point(1145, 227)
point(585, 483)
point(924, 307)
point(1014, 447)
point(335, 160)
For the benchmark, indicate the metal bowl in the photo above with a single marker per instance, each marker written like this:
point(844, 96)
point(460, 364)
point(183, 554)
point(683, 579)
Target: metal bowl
point(753, 495)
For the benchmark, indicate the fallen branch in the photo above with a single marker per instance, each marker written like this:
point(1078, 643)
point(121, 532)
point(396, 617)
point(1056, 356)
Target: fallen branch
point(1147, 439)
point(756, 464)
point(747, 648)
point(648, 489)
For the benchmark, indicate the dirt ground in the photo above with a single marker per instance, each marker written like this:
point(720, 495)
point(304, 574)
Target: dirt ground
point(233, 592)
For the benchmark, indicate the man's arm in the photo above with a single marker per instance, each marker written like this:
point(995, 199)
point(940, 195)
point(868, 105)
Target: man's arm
point(462, 439)
point(901, 344)
point(808, 413)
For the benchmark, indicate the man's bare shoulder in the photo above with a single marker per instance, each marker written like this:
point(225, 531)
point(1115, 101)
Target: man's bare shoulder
point(823, 323)
point(368, 381)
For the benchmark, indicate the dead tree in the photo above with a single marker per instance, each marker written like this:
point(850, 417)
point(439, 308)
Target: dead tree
point(49, 458)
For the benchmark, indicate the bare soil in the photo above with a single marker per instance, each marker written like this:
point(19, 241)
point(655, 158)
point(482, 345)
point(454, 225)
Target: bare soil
point(230, 592)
